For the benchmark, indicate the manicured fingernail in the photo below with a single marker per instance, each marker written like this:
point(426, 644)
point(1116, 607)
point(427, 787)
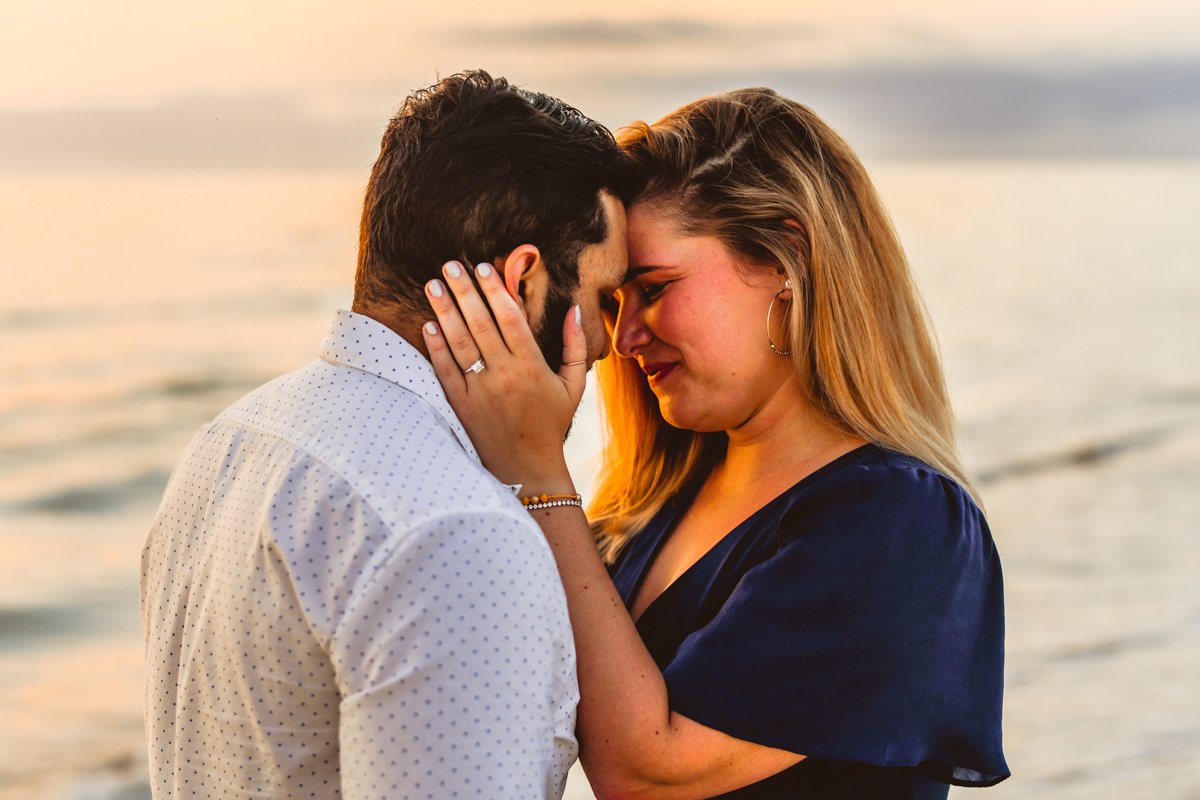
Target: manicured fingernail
point(483, 270)
point(453, 269)
point(578, 317)
point(435, 288)
point(431, 329)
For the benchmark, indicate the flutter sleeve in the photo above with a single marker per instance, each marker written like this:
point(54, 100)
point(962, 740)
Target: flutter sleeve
point(874, 633)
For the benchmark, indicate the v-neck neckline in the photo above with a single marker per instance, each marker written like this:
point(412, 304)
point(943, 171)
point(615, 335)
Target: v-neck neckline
point(679, 505)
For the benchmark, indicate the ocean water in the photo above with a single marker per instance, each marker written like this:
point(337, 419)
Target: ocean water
point(1066, 296)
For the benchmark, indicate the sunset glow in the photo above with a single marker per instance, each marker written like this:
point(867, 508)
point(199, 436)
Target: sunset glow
point(69, 53)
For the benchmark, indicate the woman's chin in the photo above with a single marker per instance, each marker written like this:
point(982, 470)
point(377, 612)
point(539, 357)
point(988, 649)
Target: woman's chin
point(677, 415)
point(671, 413)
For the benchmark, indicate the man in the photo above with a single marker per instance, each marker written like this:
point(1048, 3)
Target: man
point(338, 599)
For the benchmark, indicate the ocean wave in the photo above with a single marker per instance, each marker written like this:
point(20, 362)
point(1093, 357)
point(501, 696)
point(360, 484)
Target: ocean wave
point(96, 497)
point(108, 788)
point(97, 613)
point(1089, 454)
point(137, 419)
point(254, 305)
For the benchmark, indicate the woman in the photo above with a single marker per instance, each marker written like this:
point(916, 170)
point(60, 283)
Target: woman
point(804, 598)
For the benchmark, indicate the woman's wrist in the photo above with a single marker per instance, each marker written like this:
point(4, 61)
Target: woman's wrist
point(536, 479)
point(533, 489)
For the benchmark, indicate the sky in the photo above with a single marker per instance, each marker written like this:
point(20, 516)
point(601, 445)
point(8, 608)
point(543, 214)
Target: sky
point(346, 62)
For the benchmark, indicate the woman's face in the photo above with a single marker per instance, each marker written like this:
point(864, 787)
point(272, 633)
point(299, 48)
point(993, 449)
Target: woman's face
point(695, 320)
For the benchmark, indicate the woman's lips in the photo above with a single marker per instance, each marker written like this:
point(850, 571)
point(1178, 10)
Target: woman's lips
point(659, 371)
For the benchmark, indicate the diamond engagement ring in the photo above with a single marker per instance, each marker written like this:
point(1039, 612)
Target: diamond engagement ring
point(478, 366)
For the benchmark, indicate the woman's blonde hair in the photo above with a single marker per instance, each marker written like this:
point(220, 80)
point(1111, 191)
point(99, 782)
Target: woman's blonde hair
point(779, 187)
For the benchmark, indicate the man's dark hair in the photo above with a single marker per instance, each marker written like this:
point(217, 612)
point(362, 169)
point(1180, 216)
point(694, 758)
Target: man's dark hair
point(469, 169)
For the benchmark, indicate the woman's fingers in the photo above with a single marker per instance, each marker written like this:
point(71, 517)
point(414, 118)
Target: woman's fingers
point(510, 317)
point(444, 364)
point(474, 311)
point(574, 367)
point(458, 338)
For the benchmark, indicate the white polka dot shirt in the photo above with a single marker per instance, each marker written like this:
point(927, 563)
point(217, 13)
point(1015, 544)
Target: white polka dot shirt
point(339, 601)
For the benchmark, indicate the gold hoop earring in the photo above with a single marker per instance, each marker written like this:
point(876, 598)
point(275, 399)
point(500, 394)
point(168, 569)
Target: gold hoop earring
point(787, 285)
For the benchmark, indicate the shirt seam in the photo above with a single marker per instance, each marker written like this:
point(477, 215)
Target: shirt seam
point(349, 483)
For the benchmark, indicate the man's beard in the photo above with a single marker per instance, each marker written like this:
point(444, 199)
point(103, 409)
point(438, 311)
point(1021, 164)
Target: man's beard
point(550, 336)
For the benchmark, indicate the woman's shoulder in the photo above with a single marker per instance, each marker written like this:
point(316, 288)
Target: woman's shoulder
point(880, 492)
point(874, 476)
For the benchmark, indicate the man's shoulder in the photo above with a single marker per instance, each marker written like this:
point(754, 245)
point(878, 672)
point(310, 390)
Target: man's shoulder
point(386, 443)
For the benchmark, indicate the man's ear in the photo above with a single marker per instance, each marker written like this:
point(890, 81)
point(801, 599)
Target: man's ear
point(525, 279)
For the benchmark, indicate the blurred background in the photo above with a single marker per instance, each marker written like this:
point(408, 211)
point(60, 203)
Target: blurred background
point(179, 192)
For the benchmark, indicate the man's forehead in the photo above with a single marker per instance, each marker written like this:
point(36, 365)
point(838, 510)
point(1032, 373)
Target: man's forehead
point(614, 212)
point(608, 260)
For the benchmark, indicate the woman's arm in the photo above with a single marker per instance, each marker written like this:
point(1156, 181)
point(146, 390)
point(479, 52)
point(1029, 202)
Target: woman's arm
point(632, 744)
point(517, 411)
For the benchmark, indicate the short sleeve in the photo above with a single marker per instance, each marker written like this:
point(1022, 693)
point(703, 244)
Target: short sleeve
point(454, 659)
point(873, 633)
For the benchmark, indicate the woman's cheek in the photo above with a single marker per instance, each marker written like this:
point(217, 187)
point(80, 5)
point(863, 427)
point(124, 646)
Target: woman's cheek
point(669, 323)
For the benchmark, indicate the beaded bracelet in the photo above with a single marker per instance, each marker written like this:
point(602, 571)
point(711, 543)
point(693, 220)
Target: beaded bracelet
point(551, 500)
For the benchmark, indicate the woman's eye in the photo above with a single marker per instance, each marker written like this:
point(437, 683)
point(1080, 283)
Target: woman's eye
point(652, 291)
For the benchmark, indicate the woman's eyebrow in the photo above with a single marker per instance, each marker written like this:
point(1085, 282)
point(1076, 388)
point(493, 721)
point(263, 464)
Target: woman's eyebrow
point(634, 272)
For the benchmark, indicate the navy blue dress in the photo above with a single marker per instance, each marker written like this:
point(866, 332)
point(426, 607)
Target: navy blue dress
point(856, 619)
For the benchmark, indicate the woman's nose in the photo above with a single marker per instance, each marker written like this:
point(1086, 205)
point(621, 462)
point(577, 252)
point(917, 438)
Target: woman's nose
point(630, 331)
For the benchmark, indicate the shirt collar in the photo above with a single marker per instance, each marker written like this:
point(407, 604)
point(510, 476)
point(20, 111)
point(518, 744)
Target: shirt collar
point(362, 343)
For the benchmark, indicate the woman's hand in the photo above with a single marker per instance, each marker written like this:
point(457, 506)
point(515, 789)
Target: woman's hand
point(515, 409)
